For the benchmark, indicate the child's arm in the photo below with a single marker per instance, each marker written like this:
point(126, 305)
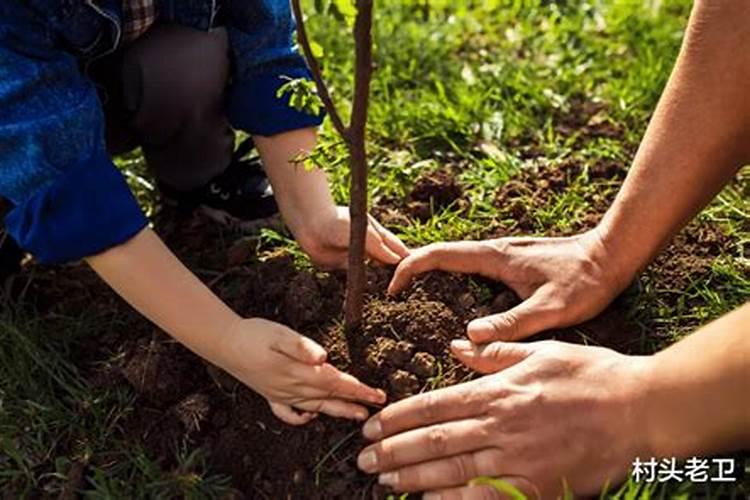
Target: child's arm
point(288, 369)
point(305, 201)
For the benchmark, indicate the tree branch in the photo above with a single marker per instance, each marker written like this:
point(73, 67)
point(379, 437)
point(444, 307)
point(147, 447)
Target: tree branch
point(314, 65)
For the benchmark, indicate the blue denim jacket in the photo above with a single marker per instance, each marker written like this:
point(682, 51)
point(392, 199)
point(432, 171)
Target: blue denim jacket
point(69, 200)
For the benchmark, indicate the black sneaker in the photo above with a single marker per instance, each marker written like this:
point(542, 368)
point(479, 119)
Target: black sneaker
point(11, 254)
point(240, 197)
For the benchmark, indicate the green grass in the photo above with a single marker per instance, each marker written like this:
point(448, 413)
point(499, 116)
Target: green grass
point(466, 83)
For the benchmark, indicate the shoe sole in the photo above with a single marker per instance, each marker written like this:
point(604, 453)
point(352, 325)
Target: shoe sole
point(243, 226)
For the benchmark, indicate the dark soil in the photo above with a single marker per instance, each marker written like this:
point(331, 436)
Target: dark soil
point(519, 199)
point(404, 341)
point(402, 347)
point(432, 192)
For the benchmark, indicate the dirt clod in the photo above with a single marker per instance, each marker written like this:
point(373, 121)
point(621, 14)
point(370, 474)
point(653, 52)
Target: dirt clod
point(433, 192)
point(398, 353)
point(427, 324)
point(403, 384)
point(424, 364)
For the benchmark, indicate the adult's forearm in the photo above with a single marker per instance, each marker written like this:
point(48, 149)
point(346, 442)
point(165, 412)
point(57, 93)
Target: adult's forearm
point(697, 139)
point(697, 400)
point(147, 275)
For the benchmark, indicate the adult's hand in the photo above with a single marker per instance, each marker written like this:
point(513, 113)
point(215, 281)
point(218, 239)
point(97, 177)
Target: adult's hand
point(563, 281)
point(553, 415)
point(545, 418)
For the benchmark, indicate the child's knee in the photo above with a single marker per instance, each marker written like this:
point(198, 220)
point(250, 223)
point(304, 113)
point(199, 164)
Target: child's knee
point(174, 76)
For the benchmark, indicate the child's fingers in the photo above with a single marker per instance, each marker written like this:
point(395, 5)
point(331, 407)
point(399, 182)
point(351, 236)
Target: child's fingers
point(325, 381)
point(377, 248)
point(287, 414)
point(390, 239)
point(335, 408)
point(298, 347)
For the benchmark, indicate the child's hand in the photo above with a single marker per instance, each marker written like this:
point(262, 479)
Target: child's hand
point(291, 372)
point(288, 369)
point(305, 201)
point(330, 246)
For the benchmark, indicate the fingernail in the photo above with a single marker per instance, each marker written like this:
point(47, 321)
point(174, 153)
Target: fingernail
point(361, 415)
point(462, 345)
point(372, 429)
point(367, 461)
point(432, 496)
point(388, 479)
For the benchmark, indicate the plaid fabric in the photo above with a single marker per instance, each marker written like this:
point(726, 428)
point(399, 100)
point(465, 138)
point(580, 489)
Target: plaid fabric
point(138, 17)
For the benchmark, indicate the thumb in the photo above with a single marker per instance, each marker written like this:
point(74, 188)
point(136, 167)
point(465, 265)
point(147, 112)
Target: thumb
point(299, 347)
point(377, 248)
point(526, 319)
point(490, 358)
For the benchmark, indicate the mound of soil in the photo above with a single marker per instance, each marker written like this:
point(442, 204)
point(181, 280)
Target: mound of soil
point(432, 192)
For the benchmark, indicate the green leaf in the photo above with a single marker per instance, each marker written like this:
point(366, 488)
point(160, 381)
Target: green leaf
point(303, 95)
point(499, 485)
point(317, 49)
point(344, 10)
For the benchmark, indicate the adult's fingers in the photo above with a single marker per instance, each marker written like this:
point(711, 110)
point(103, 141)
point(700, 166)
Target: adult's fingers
point(390, 239)
point(427, 443)
point(535, 314)
point(287, 414)
point(443, 405)
point(446, 472)
point(326, 382)
point(459, 256)
point(335, 408)
point(298, 347)
point(378, 249)
point(490, 358)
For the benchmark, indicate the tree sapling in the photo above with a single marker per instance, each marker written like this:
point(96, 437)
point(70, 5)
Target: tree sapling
point(353, 136)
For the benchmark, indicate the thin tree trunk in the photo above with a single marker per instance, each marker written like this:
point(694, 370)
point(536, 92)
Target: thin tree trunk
point(354, 136)
point(356, 281)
